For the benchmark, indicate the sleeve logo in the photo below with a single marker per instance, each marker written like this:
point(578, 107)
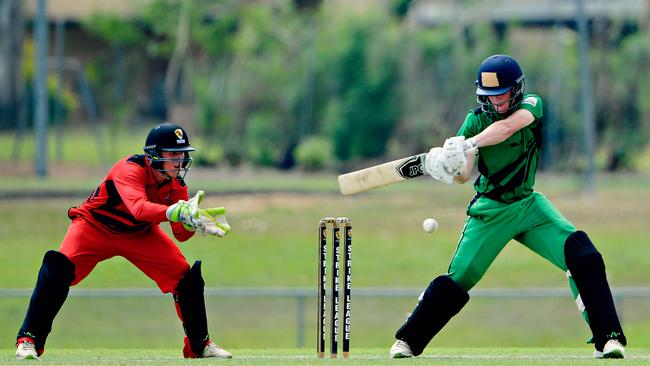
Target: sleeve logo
point(530, 100)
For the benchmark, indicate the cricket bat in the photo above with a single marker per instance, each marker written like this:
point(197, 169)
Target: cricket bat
point(382, 174)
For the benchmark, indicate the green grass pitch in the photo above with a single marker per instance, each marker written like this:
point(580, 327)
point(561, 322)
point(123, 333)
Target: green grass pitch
point(366, 356)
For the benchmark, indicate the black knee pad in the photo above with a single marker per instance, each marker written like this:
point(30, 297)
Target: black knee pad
point(51, 290)
point(192, 281)
point(578, 247)
point(191, 303)
point(444, 285)
point(56, 269)
point(582, 258)
point(587, 269)
point(442, 299)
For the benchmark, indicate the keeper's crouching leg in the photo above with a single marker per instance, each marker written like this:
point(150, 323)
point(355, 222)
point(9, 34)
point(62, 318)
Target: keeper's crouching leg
point(440, 302)
point(190, 305)
point(587, 268)
point(51, 290)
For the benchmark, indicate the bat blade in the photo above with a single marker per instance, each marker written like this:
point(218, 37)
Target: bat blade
point(382, 174)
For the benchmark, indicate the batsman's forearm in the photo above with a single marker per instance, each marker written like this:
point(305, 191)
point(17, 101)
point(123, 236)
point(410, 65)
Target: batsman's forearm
point(499, 131)
point(494, 134)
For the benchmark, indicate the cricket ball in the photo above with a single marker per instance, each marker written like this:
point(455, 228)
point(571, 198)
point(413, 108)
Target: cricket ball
point(430, 225)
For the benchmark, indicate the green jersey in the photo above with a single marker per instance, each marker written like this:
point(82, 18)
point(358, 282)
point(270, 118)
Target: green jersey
point(507, 170)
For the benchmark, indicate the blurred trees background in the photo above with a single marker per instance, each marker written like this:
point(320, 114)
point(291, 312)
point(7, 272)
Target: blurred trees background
point(315, 84)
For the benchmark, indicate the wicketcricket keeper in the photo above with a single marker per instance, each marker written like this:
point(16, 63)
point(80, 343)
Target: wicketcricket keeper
point(122, 218)
point(506, 128)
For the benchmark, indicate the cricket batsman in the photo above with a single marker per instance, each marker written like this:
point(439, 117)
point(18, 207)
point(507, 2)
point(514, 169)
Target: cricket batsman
point(506, 128)
point(122, 218)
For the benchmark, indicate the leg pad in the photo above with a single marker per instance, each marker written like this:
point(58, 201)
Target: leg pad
point(588, 271)
point(51, 290)
point(191, 307)
point(440, 302)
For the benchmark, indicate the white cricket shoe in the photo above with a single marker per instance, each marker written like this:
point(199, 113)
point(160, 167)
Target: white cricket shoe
point(400, 349)
point(612, 349)
point(26, 351)
point(212, 350)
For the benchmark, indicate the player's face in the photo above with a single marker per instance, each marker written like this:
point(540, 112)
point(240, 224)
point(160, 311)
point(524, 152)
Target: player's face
point(173, 167)
point(501, 102)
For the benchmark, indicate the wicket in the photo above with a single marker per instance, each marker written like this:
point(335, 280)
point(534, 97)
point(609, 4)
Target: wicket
point(337, 224)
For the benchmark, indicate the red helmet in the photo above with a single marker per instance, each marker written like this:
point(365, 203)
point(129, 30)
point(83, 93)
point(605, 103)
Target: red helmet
point(496, 75)
point(168, 137)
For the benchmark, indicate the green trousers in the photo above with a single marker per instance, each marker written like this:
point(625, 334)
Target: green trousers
point(490, 225)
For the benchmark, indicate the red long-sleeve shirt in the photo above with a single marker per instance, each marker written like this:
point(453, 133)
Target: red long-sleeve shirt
point(130, 200)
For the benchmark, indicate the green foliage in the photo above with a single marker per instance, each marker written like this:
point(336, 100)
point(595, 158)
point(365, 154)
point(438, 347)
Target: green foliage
point(400, 7)
point(264, 138)
point(369, 79)
point(215, 25)
point(114, 29)
point(211, 152)
point(267, 74)
point(421, 125)
point(161, 17)
point(314, 154)
point(208, 157)
point(367, 75)
point(68, 100)
point(437, 82)
point(626, 88)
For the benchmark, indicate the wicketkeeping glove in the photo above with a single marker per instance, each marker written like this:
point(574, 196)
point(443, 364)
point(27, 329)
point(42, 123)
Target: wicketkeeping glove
point(209, 221)
point(184, 213)
point(214, 221)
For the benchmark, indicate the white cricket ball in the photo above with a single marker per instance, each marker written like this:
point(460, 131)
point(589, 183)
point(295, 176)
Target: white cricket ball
point(430, 225)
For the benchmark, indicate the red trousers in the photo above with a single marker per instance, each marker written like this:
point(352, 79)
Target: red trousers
point(152, 251)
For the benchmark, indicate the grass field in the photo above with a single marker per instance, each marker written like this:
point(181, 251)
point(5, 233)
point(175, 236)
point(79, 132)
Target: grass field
point(366, 356)
point(273, 244)
point(274, 232)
